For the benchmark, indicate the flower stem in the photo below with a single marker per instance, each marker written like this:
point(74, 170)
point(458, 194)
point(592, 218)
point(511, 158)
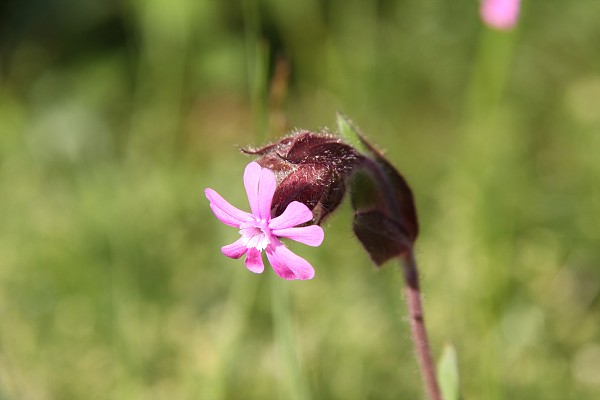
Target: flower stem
point(417, 325)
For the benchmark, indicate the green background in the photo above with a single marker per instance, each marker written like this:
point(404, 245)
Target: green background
point(114, 117)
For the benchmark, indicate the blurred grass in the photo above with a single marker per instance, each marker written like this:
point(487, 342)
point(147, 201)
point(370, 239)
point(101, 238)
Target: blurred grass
point(114, 116)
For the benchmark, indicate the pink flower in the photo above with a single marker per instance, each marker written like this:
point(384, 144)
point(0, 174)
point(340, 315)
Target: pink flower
point(500, 14)
point(261, 232)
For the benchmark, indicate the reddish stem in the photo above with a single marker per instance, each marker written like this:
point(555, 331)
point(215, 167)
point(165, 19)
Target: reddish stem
point(417, 325)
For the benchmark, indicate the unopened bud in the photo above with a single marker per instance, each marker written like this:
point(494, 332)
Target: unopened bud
point(311, 168)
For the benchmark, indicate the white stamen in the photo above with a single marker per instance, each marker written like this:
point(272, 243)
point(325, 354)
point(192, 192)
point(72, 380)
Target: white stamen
point(255, 235)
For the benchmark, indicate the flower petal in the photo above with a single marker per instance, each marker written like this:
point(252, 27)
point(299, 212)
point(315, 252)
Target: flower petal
point(251, 180)
point(311, 235)
point(235, 249)
point(295, 213)
point(266, 190)
point(500, 14)
point(287, 264)
point(225, 212)
point(254, 261)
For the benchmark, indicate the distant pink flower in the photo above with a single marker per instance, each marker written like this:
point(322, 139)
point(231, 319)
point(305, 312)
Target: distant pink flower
point(500, 14)
point(261, 232)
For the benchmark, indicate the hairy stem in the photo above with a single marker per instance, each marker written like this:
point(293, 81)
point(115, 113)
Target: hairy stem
point(413, 290)
point(417, 325)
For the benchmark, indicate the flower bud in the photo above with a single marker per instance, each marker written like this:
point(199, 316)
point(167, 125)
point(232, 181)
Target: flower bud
point(311, 168)
point(385, 218)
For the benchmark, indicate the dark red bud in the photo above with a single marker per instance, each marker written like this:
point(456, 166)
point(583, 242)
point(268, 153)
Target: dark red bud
point(311, 168)
point(381, 236)
point(385, 218)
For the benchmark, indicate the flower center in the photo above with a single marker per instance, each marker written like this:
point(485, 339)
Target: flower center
point(255, 234)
